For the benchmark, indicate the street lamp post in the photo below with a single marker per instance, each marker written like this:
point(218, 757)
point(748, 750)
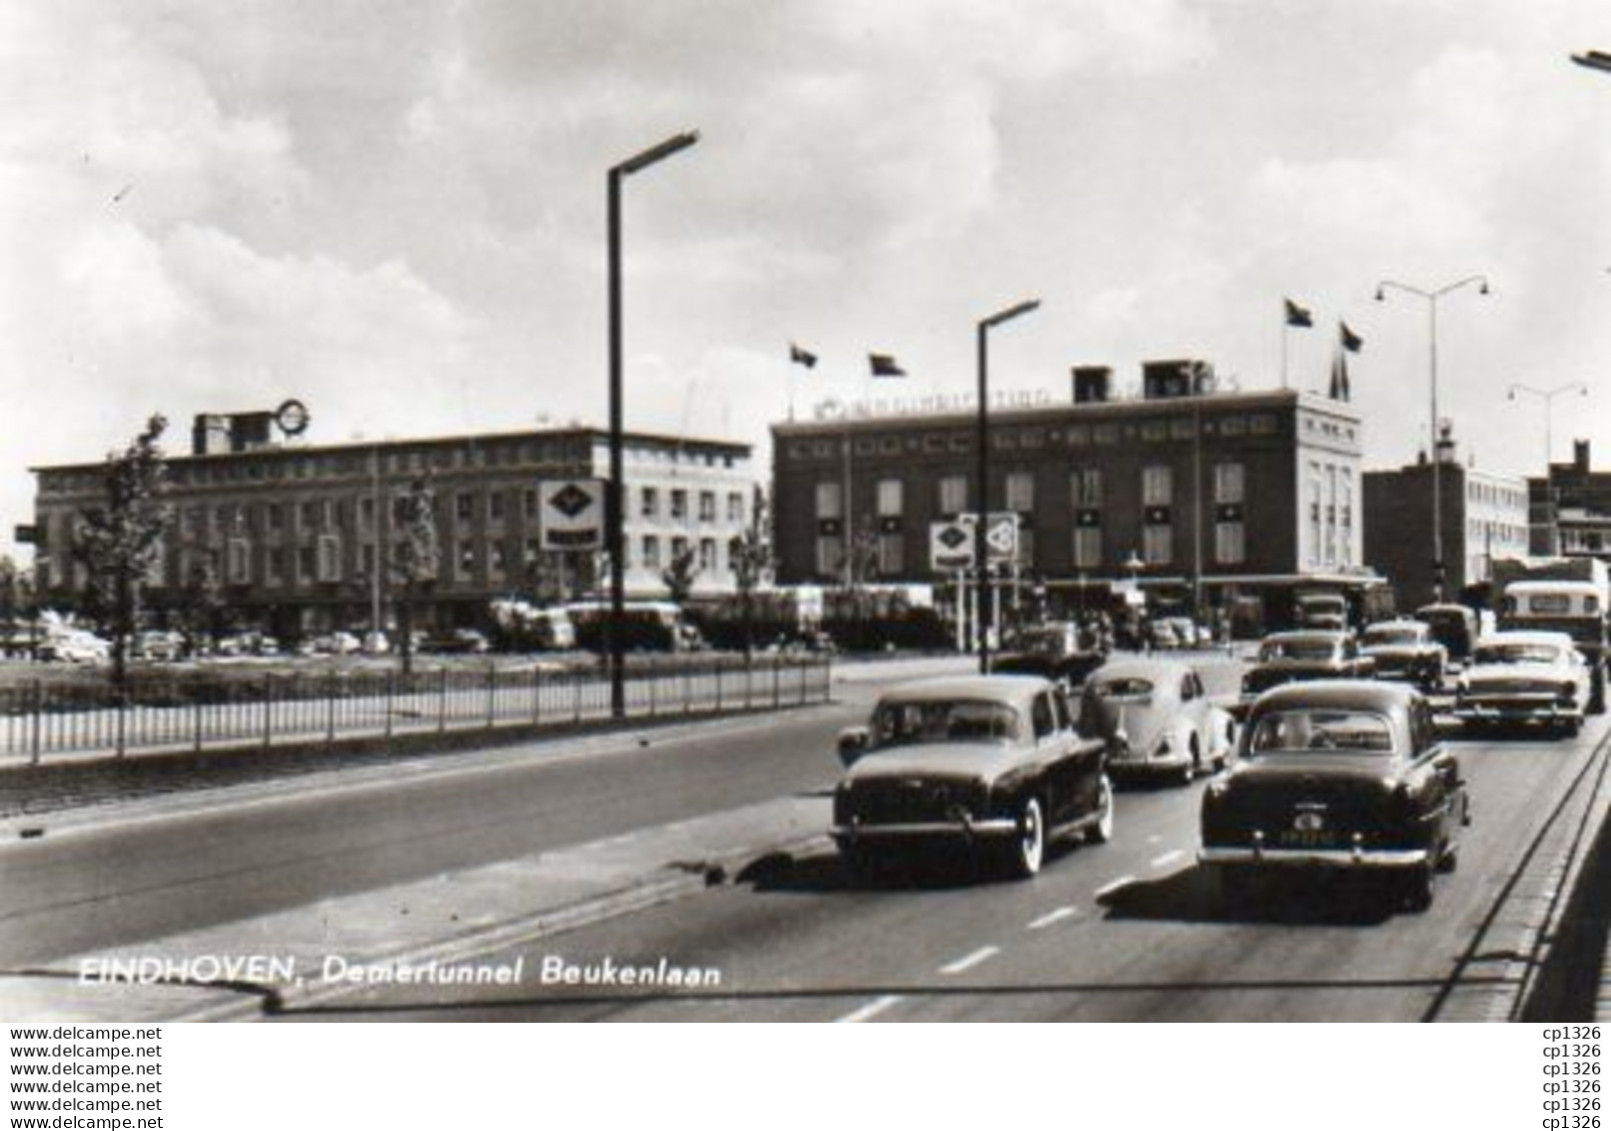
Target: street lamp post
point(1431, 297)
point(982, 470)
point(1548, 397)
point(615, 503)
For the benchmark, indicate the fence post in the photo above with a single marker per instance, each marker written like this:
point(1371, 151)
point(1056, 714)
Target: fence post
point(195, 716)
point(441, 700)
point(718, 685)
point(687, 688)
point(536, 694)
point(576, 696)
point(492, 693)
point(391, 694)
point(777, 681)
point(38, 720)
point(268, 709)
point(330, 707)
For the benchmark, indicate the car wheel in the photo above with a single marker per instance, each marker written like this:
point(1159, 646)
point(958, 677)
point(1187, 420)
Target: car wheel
point(1450, 860)
point(859, 861)
point(1572, 727)
point(1418, 887)
point(1236, 887)
point(1102, 831)
point(1029, 848)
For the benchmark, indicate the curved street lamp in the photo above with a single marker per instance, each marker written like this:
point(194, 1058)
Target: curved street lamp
point(982, 439)
point(1548, 397)
point(1431, 297)
point(614, 508)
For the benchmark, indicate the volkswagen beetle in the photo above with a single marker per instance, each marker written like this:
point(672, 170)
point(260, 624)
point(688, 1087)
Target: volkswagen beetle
point(1156, 719)
point(993, 764)
point(1337, 775)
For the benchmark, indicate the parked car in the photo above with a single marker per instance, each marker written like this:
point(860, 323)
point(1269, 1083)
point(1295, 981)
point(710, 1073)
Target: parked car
point(1156, 718)
point(1060, 651)
point(1524, 677)
point(1340, 775)
point(992, 764)
point(156, 644)
point(466, 640)
point(1453, 626)
point(1162, 634)
point(75, 646)
point(1407, 650)
point(1313, 654)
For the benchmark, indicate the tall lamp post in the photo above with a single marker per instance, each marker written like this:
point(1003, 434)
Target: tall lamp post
point(1432, 297)
point(982, 470)
point(1548, 397)
point(615, 503)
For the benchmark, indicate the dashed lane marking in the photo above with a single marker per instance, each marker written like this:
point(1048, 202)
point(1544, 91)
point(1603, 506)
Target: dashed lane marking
point(1110, 888)
point(1168, 858)
point(969, 961)
point(1054, 916)
point(870, 1010)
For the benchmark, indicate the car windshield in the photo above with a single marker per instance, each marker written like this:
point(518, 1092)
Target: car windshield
point(1123, 689)
point(1044, 641)
point(1297, 650)
point(1517, 654)
point(958, 720)
point(1395, 634)
point(1317, 730)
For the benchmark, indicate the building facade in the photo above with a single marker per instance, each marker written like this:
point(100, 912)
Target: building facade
point(1483, 516)
point(1571, 509)
point(302, 538)
point(1183, 485)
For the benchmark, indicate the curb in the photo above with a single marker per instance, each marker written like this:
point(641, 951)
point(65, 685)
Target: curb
point(649, 890)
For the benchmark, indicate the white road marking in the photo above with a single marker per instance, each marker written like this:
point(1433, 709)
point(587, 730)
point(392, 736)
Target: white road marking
point(1168, 858)
point(869, 1011)
point(969, 961)
point(1154, 839)
point(1108, 889)
point(1051, 917)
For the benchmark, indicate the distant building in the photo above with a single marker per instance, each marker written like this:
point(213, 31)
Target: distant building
point(1571, 509)
point(1246, 493)
point(292, 532)
point(1484, 517)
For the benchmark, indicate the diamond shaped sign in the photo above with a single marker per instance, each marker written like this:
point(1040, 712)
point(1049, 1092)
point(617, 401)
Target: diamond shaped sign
point(950, 546)
point(572, 514)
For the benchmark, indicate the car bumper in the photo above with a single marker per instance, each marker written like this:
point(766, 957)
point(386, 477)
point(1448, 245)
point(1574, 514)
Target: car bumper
point(961, 829)
point(1517, 712)
point(1160, 764)
point(1357, 857)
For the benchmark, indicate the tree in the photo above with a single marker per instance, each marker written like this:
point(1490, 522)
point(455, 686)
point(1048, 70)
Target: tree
point(120, 542)
point(16, 598)
point(203, 611)
point(678, 576)
point(751, 555)
point(416, 560)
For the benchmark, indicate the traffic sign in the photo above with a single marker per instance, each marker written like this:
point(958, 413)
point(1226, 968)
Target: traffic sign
point(571, 514)
point(950, 546)
point(1001, 537)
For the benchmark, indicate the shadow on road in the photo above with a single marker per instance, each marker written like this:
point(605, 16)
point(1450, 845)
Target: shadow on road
point(827, 872)
point(1194, 895)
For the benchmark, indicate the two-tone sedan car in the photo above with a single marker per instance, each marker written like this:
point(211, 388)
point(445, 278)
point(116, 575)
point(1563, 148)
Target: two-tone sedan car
point(1405, 650)
point(1337, 775)
point(991, 764)
point(1524, 677)
point(1285, 657)
point(1156, 719)
point(1062, 651)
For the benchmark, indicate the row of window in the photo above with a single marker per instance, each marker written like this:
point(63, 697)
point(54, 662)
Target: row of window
point(1495, 495)
point(1085, 489)
point(1105, 434)
point(1330, 520)
point(677, 504)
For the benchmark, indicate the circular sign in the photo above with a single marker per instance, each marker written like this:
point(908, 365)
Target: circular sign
point(292, 418)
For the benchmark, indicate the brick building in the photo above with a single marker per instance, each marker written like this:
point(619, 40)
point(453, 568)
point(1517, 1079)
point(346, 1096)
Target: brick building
point(291, 531)
point(1571, 508)
point(1484, 517)
point(1248, 492)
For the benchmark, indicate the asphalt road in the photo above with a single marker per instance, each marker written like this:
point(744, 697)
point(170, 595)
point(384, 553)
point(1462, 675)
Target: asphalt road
point(1132, 930)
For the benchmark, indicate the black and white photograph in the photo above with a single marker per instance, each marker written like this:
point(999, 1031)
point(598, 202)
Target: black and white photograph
point(861, 511)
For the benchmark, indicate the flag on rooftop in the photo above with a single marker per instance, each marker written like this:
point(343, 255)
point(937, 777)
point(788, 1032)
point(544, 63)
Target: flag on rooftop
point(1297, 315)
point(884, 365)
point(802, 357)
point(1351, 341)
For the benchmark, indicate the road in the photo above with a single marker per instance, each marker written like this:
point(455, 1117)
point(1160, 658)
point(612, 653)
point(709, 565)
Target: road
point(1132, 930)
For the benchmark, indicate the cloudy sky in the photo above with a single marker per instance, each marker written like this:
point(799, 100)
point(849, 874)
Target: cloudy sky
point(395, 211)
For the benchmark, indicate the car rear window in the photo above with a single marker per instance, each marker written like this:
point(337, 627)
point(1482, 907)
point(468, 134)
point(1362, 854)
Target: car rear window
point(1123, 688)
point(1516, 654)
point(1321, 732)
point(928, 721)
point(1297, 650)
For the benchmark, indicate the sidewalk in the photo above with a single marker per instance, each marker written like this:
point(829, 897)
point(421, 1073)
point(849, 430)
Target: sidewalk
point(299, 956)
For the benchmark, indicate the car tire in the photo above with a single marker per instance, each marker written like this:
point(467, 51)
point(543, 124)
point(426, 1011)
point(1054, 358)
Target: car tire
point(1101, 831)
point(1417, 889)
point(1450, 859)
point(1028, 848)
point(1236, 887)
point(860, 862)
point(1572, 727)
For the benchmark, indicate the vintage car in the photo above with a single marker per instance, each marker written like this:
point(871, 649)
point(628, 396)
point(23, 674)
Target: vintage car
point(1407, 650)
point(1058, 650)
point(1309, 654)
point(1524, 677)
point(1156, 719)
point(1337, 774)
point(1453, 626)
point(992, 764)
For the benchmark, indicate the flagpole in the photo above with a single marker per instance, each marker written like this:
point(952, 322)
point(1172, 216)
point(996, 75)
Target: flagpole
point(1286, 332)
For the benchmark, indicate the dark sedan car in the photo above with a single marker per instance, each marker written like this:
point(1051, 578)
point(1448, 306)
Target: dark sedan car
point(988, 763)
point(1406, 650)
point(1286, 657)
point(1339, 775)
point(1060, 651)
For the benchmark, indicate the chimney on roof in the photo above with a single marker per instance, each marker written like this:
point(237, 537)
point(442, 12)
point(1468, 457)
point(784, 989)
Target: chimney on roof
point(1580, 456)
point(1176, 378)
point(1092, 383)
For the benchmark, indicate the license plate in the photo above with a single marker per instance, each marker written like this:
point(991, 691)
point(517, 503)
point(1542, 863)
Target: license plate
point(1306, 838)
